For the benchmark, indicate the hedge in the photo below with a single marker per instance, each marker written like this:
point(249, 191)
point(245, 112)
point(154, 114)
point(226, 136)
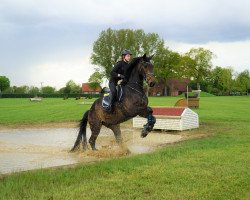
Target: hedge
point(77, 95)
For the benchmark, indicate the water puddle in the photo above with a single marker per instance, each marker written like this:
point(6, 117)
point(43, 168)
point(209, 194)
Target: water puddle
point(26, 149)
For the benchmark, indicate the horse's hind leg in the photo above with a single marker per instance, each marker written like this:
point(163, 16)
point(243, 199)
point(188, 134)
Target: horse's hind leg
point(95, 127)
point(117, 132)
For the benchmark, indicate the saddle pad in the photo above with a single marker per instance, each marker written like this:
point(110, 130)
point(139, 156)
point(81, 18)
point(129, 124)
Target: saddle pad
point(105, 102)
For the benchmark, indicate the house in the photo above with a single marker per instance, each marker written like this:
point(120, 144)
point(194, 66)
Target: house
point(86, 89)
point(174, 87)
point(157, 90)
point(171, 118)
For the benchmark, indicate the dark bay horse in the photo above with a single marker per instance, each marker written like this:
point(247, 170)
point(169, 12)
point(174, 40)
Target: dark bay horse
point(134, 102)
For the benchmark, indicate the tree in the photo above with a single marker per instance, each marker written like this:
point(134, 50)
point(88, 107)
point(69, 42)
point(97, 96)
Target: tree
point(243, 81)
point(67, 90)
point(4, 83)
point(166, 64)
point(21, 90)
point(61, 90)
point(95, 80)
point(107, 48)
point(9, 90)
point(222, 80)
point(72, 87)
point(48, 90)
point(199, 64)
point(34, 90)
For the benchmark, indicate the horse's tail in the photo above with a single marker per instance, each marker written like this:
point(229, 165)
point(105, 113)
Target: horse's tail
point(82, 133)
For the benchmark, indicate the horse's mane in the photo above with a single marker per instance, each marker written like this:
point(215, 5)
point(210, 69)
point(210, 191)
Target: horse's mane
point(134, 61)
point(131, 66)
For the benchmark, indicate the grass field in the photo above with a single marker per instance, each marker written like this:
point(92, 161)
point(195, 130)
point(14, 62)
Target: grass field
point(215, 167)
point(22, 111)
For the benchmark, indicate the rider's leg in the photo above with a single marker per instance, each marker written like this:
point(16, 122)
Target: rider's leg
point(112, 87)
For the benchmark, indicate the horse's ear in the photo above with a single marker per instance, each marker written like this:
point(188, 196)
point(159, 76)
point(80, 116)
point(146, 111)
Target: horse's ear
point(150, 57)
point(144, 56)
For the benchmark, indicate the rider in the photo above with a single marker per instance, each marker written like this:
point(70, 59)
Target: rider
point(117, 74)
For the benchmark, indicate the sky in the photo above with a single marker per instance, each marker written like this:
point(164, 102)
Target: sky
point(50, 41)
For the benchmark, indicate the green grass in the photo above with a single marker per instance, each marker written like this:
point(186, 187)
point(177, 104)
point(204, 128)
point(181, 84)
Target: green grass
point(202, 94)
point(215, 167)
point(22, 111)
point(220, 108)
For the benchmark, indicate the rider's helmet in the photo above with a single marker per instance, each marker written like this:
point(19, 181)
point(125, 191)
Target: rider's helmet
point(126, 52)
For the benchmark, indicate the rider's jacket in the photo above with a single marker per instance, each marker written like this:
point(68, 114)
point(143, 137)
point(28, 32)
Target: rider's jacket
point(119, 69)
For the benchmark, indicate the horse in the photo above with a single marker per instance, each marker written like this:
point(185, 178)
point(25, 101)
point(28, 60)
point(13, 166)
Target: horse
point(134, 102)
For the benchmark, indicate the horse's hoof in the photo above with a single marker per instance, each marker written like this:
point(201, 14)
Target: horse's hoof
point(73, 149)
point(94, 148)
point(144, 133)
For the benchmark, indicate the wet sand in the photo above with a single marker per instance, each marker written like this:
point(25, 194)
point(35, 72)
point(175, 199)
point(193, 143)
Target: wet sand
point(26, 148)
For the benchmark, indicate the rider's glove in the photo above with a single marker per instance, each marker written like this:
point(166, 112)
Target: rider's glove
point(124, 82)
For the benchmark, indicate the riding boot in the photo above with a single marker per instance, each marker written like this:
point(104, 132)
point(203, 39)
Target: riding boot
point(112, 95)
point(109, 109)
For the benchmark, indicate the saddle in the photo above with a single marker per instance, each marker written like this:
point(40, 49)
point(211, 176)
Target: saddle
point(106, 97)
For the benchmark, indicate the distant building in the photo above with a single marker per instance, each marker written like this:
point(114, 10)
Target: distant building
point(86, 89)
point(175, 87)
point(157, 90)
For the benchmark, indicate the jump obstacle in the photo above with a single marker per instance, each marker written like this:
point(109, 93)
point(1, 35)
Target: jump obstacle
point(171, 118)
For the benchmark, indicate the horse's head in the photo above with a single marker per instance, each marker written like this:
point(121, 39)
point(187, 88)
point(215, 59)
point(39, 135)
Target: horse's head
point(147, 70)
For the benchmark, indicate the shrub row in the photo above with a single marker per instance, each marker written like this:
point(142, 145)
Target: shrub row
point(76, 95)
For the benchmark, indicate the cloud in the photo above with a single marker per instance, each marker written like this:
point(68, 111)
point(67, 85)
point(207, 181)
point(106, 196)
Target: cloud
point(187, 21)
point(227, 54)
point(54, 71)
point(41, 38)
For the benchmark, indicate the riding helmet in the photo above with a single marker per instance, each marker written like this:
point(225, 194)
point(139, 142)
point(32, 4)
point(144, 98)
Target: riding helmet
point(126, 52)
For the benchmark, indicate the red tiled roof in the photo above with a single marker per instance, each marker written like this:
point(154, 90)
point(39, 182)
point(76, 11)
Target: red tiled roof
point(168, 111)
point(86, 88)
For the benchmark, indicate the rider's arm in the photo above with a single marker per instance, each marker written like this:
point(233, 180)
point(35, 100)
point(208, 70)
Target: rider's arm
point(114, 72)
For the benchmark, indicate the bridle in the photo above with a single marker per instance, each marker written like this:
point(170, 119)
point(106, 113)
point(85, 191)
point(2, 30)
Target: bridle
point(147, 75)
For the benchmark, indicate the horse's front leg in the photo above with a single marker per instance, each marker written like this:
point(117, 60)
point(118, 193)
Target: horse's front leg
point(148, 127)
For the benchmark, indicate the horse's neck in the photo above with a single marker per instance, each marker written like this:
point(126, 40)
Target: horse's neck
point(136, 79)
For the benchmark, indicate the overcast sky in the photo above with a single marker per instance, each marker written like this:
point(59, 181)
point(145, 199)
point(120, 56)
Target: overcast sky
point(50, 41)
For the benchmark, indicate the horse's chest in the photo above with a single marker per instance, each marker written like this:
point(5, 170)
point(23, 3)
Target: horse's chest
point(139, 102)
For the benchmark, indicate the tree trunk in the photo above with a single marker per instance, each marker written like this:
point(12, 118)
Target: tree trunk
point(198, 86)
point(165, 91)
